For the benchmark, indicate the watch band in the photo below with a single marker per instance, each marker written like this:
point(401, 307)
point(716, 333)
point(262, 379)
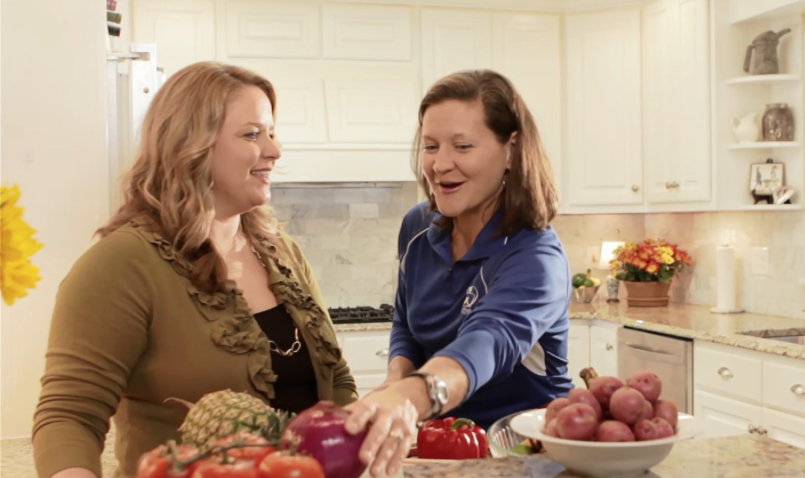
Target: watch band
point(437, 392)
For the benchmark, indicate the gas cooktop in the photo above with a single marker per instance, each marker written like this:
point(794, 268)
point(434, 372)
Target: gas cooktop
point(361, 314)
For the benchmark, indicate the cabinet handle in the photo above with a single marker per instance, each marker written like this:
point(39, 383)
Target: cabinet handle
point(798, 390)
point(751, 428)
point(609, 347)
point(382, 353)
point(762, 431)
point(725, 372)
point(668, 185)
point(635, 187)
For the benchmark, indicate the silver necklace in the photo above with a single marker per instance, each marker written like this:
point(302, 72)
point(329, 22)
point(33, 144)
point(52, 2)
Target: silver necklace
point(296, 345)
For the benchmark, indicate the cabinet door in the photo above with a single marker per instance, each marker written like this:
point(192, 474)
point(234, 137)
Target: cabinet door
point(535, 70)
point(578, 352)
point(723, 416)
point(454, 40)
point(183, 30)
point(603, 139)
point(604, 350)
point(784, 427)
point(676, 101)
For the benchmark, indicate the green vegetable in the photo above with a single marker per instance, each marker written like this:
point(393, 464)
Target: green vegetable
point(579, 280)
point(522, 449)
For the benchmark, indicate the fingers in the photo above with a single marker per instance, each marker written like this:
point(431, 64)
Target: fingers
point(362, 412)
point(393, 451)
point(376, 436)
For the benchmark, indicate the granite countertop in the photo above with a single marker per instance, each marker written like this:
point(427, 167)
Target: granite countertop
point(746, 456)
point(749, 331)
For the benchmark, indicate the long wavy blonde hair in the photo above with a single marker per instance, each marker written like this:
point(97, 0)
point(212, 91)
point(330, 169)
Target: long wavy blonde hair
point(170, 182)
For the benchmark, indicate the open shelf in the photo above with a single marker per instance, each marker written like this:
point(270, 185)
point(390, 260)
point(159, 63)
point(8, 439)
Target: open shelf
point(762, 79)
point(765, 145)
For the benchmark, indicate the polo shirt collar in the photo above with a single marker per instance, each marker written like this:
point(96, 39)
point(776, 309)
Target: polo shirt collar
point(485, 244)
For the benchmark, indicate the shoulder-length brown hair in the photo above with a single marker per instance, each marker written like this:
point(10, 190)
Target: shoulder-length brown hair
point(170, 182)
point(529, 199)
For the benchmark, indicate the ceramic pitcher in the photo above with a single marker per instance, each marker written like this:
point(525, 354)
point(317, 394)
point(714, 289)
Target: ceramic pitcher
point(746, 129)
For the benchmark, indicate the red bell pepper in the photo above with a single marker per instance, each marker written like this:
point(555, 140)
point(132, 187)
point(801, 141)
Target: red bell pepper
point(451, 439)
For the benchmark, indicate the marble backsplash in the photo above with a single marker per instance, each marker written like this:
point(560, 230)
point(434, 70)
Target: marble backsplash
point(776, 292)
point(349, 235)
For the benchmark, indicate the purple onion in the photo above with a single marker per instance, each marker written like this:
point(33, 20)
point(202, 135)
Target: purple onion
point(320, 431)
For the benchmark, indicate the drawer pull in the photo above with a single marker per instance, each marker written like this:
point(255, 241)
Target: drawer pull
point(609, 346)
point(752, 429)
point(798, 390)
point(382, 353)
point(725, 372)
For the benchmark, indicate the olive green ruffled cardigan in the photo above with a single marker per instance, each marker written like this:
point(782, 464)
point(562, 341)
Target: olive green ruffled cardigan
point(129, 330)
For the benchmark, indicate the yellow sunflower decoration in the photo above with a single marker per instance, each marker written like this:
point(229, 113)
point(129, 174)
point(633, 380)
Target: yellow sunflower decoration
point(17, 245)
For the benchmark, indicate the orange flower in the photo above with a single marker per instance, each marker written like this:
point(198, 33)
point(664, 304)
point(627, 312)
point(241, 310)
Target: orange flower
point(652, 268)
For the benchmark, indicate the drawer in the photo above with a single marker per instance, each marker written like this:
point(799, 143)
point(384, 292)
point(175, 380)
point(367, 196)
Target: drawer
point(367, 351)
point(784, 386)
point(727, 372)
point(366, 382)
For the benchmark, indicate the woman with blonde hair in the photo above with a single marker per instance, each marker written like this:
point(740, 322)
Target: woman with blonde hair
point(192, 288)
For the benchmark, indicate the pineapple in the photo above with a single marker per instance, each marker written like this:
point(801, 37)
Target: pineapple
point(224, 413)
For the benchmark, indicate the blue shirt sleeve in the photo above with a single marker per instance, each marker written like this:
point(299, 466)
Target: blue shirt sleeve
point(527, 295)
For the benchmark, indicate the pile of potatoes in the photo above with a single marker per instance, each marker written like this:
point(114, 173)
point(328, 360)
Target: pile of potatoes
point(610, 411)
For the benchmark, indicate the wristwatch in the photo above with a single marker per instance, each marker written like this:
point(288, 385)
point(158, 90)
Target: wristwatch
point(437, 392)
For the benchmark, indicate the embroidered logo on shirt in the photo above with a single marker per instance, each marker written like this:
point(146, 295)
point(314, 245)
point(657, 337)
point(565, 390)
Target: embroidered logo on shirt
point(469, 299)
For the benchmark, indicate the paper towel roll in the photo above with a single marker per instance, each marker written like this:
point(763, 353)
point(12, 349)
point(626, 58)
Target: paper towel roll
point(725, 280)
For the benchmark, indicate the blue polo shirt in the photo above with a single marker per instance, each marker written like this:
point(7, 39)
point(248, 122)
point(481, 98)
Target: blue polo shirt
point(500, 311)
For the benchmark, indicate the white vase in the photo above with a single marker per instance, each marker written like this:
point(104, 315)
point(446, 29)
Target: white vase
point(746, 129)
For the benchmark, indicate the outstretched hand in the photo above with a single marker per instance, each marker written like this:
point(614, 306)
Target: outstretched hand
point(391, 418)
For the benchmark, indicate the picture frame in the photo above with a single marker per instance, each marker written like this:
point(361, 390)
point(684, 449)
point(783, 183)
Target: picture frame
point(766, 178)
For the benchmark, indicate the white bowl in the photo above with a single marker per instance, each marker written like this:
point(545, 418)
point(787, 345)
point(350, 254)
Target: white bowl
point(604, 459)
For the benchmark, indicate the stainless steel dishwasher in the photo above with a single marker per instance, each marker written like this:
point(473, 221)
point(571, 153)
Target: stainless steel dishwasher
point(671, 358)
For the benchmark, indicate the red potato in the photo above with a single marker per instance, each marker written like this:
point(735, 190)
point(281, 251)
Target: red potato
point(645, 430)
point(647, 412)
point(647, 383)
point(582, 395)
point(626, 405)
point(601, 387)
point(576, 421)
point(666, 408)
point(554, 407)
point(550, 430)
point(664, 429)
point(614, 431)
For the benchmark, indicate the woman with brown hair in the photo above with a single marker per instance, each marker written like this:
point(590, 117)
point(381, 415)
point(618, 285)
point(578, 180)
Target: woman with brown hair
point(193, 287)
point(480, 321)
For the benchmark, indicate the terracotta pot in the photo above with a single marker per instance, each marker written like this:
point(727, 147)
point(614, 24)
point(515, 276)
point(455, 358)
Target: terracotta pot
point(647, 294)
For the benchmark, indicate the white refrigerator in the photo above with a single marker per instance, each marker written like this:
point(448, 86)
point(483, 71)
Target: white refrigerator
point(132, 80)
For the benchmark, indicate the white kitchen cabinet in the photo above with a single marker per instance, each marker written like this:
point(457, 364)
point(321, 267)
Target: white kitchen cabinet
point(183, 30)
point(578, 352)
point(367, 355)
point(276, 29)
point(603, 138)
point(676, 101)
point(453, 40)
point(740, 391)
point(366, 32)
point(604, 350)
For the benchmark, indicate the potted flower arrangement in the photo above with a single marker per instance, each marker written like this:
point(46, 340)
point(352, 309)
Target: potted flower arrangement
point(646, 269)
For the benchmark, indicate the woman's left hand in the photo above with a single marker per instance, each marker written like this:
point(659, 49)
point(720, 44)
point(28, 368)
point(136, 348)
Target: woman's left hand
point(392, 419)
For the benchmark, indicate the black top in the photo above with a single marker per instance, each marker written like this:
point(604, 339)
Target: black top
point(295, 388)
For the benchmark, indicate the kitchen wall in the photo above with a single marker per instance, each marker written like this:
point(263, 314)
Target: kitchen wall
point(54, 148)
point(777, 292)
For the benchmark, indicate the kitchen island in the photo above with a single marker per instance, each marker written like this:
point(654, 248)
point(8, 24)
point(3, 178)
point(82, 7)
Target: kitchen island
point(747, 456)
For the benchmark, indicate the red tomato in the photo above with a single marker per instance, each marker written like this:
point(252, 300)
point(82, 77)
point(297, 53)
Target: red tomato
point(283, 465)
point(255, 453)
point(216, 468)
point(159, 463)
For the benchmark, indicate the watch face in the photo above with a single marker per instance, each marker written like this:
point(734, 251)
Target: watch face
point(441, 392)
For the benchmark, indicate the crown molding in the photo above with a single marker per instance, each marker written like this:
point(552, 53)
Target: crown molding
point(548, 6)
